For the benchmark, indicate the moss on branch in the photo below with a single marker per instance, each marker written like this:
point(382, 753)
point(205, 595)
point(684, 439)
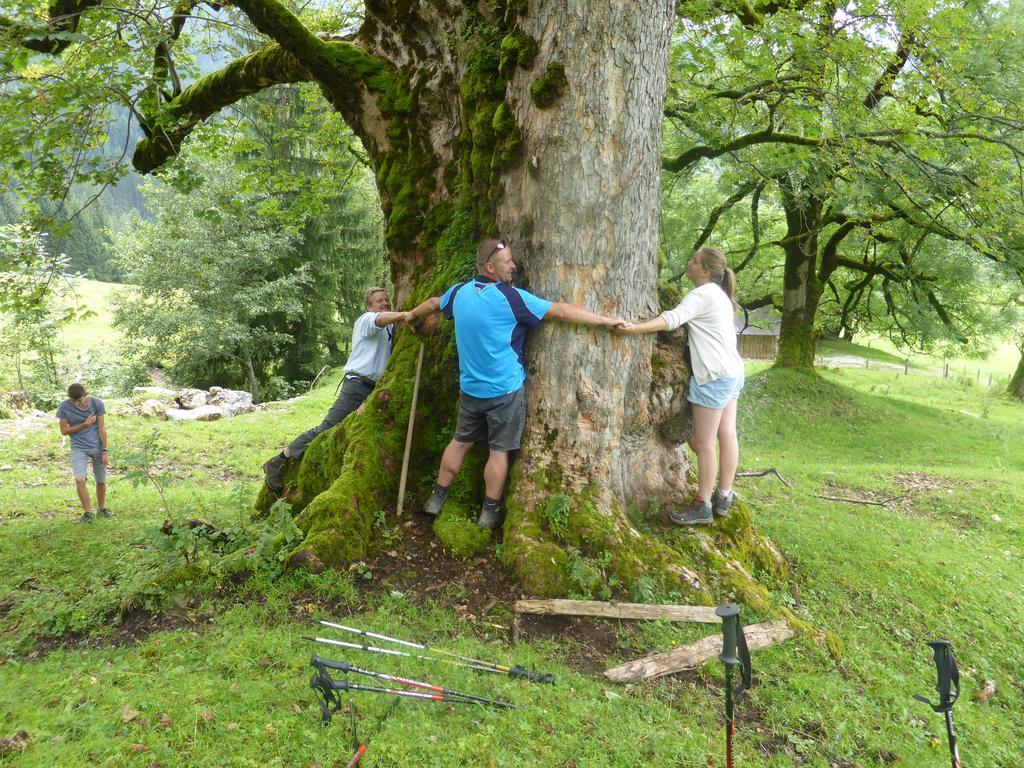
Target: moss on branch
point(208, 95)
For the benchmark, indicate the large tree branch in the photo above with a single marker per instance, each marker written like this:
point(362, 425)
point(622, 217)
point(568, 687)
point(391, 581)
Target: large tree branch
point(718, 210)
point(947, 321)
point(767, 136)
point(210, 94)
point(883, 85)
point(869, 268)
point(52, 37)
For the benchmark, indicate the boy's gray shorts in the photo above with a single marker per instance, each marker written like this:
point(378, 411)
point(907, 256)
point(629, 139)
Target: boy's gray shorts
point(80, 459)
point(498, 420)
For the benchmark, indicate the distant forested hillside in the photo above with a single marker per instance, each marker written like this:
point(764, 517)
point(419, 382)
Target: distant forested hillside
point(78, 225)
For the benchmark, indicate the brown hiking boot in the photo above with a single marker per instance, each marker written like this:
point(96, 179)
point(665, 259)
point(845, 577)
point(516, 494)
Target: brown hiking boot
point(273, 471)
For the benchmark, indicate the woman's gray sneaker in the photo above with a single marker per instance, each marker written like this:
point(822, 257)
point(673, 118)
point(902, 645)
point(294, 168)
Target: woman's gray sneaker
point(85, 518)
point(698, 513)
point(721, 503)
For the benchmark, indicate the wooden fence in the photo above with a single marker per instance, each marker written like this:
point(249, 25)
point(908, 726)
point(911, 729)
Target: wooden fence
point(759, 347)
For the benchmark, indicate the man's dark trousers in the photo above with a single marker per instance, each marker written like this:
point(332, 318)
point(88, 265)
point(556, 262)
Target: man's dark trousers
point(354, 390)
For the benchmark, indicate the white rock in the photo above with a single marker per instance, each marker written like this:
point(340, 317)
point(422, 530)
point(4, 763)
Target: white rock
point(6, 468)
point(156, 408)
point(233, 401)
point(202, 413)
point(192, 398)
point(154, 391)
point(996, 519)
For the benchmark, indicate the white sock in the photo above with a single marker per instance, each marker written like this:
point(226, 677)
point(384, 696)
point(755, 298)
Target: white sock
point(724, 492)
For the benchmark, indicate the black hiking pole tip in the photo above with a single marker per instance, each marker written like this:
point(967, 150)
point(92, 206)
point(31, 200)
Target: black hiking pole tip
point(948, 687)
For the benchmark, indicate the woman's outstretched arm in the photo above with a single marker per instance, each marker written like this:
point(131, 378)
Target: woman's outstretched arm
point(653, 325)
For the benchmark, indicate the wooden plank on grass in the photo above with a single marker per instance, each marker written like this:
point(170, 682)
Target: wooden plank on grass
point(693, 655)
point(613, 610)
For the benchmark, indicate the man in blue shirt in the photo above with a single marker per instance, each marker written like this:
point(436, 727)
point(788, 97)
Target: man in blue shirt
point(491, 318)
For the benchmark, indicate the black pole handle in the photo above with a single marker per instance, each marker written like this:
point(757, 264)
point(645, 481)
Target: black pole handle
point(948, 674)
point(948, 684)
point(538, 677)
point(730, 616)
point(321, 663)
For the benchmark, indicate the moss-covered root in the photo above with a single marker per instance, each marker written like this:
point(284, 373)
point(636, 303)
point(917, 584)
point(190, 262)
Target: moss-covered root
point(540, 558)
point(459, 534)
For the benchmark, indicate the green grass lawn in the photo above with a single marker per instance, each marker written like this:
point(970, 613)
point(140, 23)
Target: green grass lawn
point(1000, 363)
point(225, 679)
point(95, 333)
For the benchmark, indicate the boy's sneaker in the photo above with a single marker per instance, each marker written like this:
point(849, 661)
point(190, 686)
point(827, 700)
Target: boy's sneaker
point(85, 518)
point(698, 513)
point(103, 512)
point(273, 470)
point(721, 503)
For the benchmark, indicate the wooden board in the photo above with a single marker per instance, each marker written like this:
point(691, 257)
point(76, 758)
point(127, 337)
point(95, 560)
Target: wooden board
point(693, 655)
point(613, 610)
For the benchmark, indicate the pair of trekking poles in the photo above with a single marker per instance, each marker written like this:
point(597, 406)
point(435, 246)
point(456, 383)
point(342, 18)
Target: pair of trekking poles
point(328, 688)
point(736, 654)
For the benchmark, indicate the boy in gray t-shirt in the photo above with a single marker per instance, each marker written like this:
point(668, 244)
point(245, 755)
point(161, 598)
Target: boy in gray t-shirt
point(82, 417)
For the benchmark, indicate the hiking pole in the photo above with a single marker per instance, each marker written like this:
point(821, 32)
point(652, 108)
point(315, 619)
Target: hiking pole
point(322, 682)
point(733, 642)
point(949, 678)
point(408, 433)
point(360, 746)
point(321, 663)
point(392, 652)
point(489, 666)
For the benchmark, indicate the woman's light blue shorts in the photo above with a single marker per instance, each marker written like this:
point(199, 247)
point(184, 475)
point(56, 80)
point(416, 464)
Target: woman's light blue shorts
point(716, 393)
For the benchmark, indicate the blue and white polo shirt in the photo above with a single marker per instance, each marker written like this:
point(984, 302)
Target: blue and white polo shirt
point(491, 319)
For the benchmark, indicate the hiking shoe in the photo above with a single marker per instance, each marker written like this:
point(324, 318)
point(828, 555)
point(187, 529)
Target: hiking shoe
point(103, 512)
point(85, 518)
point(491, 517)
point(435, 502)
point(273, 471)
point(698, 513)
point(721, 503)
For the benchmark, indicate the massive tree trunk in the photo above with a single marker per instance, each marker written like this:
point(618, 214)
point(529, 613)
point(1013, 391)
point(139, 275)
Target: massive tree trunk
point(542, 126)
point(802, 287)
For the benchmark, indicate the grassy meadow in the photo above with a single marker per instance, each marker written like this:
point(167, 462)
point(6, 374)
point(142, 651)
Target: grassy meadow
point(100, 665)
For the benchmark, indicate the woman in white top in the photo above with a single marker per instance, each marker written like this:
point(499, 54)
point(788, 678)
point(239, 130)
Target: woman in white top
point(716, 378)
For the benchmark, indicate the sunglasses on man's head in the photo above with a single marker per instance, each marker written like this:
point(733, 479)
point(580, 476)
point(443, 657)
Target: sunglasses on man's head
point(502, 245)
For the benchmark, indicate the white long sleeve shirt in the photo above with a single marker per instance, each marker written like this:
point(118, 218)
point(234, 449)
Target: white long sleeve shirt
point(712, 332)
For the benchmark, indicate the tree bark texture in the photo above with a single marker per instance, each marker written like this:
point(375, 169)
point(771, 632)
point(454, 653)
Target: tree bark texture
point(543, 127)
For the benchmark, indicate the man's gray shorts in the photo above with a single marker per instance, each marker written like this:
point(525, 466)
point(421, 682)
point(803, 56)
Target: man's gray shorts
point(80, 459)
point(498, 420)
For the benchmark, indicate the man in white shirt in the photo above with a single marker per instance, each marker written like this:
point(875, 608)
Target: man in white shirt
point(371, 348)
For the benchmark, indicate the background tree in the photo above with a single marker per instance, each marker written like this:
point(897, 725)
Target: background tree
point(35, 302)
point(876, 130)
